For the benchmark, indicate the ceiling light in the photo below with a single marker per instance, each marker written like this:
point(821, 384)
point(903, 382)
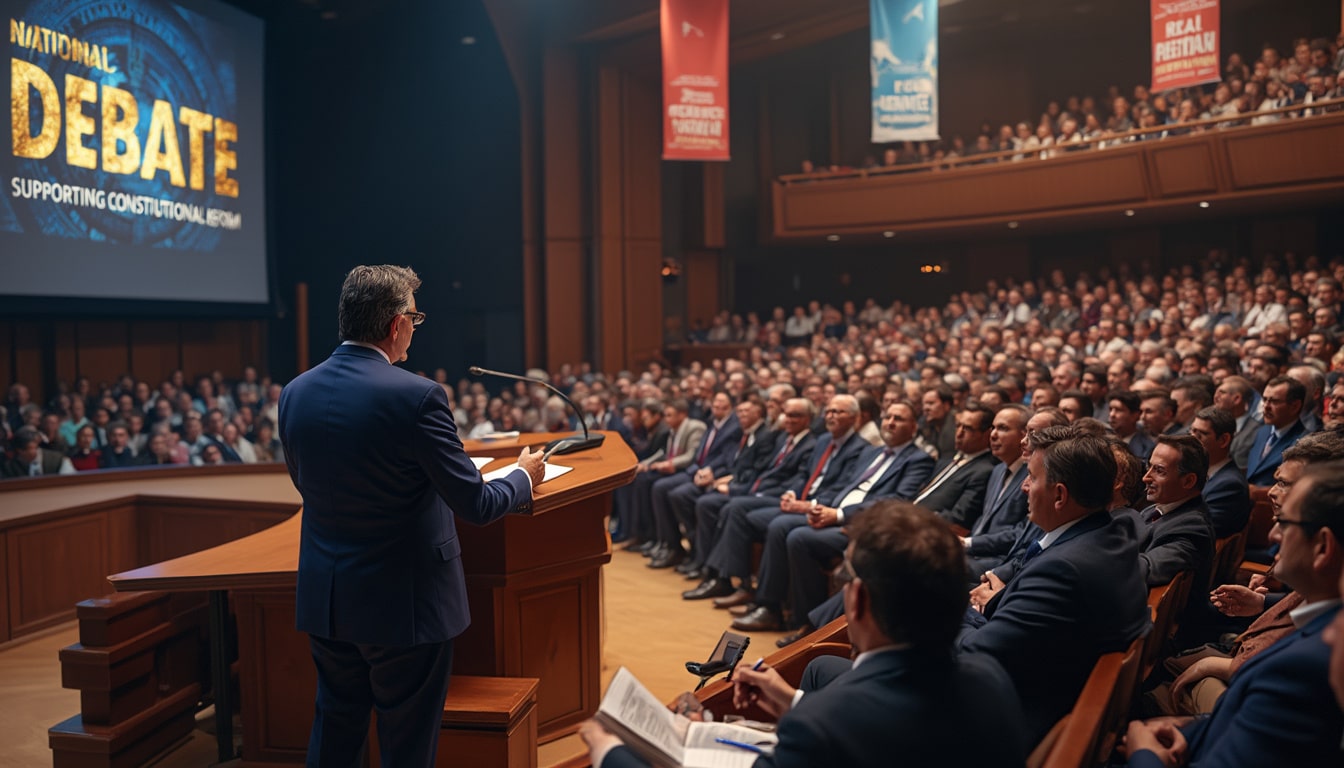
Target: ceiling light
point(1203, 203)
point(777, 36)
point(833, 238)
point(468, 40)
point(888, 233)
point(1129, 211)
point(1012, 225)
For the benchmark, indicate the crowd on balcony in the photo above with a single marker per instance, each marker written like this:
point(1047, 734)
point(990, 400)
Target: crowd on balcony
point(1256, 90)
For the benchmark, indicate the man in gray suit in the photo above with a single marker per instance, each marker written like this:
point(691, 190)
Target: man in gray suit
point(686, 434)
point(1235, 395)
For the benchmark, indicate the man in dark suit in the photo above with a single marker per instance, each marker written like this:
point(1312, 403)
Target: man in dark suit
point(1174, 531)
point(374, 452)
point(818, 482)
point(710, 459)
point(1279, 709)
point(904, 699)
point(1005, 501)
point(792, 454)
point(1124, 419)
point(957, 489)
point(749, 457)
point(1078, 594)
point(650, 443)
point(799, 551)
point(1235, 395)
point(686, 434)
point(32, 460)
point(937, 427)
point(1226, 494)
point(1282, 404)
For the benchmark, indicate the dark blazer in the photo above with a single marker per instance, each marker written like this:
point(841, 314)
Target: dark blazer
point(751, 460)
point(776, 478)
point(944, 440)
point(909, 469)
point(1279, 710)
point(1080, 598)
point(1260, 471)
point(908, 704)
point(960, 500)
point(837, 474)
point(375, 454)
point(655, 444)
point(1181, 540)
point(51, 464)
point(721, 450)
point(1142, 445)
point(1242, 441)
point(1228, 499)
point(996, 528)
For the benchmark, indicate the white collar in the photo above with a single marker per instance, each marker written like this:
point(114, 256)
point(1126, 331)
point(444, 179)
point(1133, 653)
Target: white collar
point(1303, 614)
point(367, 345)
point(1053, 536)
point(862, 657)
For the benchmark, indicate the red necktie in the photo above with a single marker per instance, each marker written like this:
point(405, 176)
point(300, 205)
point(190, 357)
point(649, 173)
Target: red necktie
point(821, 467)
point(785, 451)
point(713, 433)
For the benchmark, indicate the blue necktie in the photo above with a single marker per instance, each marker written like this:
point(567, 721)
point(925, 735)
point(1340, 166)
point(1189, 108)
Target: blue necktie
point(1032, 551)
point(1269, 444)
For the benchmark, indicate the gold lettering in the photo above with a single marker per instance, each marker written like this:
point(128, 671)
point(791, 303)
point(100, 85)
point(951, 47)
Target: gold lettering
point(121, 114)
point(18, 33)
point(162, 152)
point(226, 159)
point(23, 77)
point(63, 46)
point(198, 124)
point(77, 124)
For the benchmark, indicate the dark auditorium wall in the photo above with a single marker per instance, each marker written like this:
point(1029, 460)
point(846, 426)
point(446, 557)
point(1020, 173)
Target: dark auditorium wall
point(398, 144)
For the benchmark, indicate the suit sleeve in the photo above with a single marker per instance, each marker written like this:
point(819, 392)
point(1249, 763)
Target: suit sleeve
point(970, 502)
point(1176, 550)
point(695, 430)
point(456, 479)
point(998, 542)
point(1041, 601)
point(917, 473)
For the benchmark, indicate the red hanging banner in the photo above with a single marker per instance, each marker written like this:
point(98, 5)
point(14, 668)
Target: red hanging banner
point(695, 79)
point(1185, 43)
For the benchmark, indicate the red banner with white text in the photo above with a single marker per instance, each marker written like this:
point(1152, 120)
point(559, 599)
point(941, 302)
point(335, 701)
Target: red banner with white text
point(1185, 43)
point(695, 79)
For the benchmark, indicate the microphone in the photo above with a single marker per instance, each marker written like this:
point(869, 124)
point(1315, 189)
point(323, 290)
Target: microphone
point(563, 445)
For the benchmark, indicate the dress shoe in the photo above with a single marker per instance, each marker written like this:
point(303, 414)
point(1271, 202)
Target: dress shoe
point(740, 597)
point(688, 566)
point(763, 619)
point(742, 610)
point(649, 547)
point(794, 637)
point(619, 537)
point(667, 558)
point(709, 588)
point(633, 544)
point(696, 574)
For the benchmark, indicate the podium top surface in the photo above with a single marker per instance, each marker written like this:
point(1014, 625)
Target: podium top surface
point(270, 558)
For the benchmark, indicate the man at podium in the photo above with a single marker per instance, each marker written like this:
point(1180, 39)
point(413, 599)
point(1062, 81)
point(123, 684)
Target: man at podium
point(374, 451)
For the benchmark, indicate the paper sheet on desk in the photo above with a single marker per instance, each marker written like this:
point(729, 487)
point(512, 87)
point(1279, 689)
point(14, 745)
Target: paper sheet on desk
point(481, 461)
point(552, 471)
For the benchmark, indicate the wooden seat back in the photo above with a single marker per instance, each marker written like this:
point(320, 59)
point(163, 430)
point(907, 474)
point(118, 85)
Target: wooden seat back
point(1087, 735)
point(1166, 603)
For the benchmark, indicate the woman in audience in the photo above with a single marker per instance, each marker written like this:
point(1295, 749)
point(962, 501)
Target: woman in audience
point(84, 456)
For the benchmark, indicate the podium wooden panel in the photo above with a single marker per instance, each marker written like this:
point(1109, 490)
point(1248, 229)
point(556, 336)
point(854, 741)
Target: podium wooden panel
point(532, 581)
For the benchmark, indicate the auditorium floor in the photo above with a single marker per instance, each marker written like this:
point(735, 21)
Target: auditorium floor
point(647, 628)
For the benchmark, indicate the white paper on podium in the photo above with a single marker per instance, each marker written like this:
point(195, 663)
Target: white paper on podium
point(552, 471)
point(480, 461)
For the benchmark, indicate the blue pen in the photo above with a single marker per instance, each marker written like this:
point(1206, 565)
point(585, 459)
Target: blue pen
point(757, 666)
point(741, 745)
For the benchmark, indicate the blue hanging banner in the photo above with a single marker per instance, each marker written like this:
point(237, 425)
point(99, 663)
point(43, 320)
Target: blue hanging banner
point(904, 66)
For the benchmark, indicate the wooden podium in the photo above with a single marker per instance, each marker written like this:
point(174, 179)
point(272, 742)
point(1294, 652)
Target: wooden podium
point(533, 582)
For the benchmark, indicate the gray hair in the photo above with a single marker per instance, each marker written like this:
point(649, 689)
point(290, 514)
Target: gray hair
point(371, 298)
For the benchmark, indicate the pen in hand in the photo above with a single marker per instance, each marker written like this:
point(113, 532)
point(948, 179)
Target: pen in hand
point(741, 745)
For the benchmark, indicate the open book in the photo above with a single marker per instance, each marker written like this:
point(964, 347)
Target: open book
point(670, 740)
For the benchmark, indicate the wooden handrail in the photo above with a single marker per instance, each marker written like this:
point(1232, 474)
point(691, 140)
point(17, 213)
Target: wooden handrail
point(986, 158)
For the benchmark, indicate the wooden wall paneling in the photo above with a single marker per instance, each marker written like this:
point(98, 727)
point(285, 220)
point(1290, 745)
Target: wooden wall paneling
point(252, 346)
point(53, 565)
point(565, 291)
point(5, 587)
point(66, 348)
point(276, 680)
point(211, 345)
point(703, 287)
point(609, 267)
point(547, 652)
point(170, 528)
point(642, 131)
point(103, 352)
point(123, 539)
point(28, 367)
point(1183, 167)
point(155, 350)
point(1291, 152)
point(711, 205)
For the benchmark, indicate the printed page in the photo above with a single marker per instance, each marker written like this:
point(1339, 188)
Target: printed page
point(629, 703)
point(552, 471)
point(481, 461)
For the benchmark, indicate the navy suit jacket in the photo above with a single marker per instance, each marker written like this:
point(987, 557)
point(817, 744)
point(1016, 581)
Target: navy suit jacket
point(1080, 598)
point(997, 526)
point(910, 469)
point(837, 474)
point(1228, 499)
point(749, 462)
point(1181, 540)
point(374, 452)
point(1260, 471)
point(1142, 445)
point(777, 478)
point(960, 499)
point(721, 451)
point(902, 707)
point(1279, 710)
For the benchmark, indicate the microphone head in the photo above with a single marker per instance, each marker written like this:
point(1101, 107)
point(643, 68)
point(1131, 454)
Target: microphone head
point(475, 370)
